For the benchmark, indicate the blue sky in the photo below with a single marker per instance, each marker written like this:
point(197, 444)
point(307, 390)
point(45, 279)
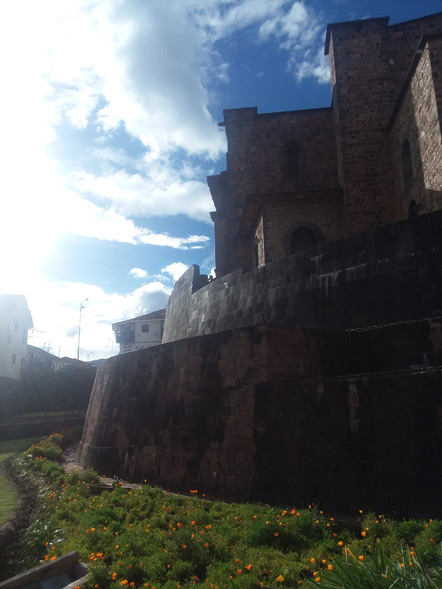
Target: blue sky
point(109, 118)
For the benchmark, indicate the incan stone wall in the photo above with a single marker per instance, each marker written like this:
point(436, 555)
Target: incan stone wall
point(261, 413)
point(389, 274)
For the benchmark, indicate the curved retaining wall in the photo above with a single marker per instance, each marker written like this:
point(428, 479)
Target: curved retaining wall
point(256, 414)
point(389, 274)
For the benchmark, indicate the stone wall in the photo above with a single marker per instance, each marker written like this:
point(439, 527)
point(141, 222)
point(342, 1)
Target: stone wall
point(389, 274)
point(404, 38)
point(257, 168)
point(417, 120)
point(261, 413)
point(362, 101)
point(322, 210)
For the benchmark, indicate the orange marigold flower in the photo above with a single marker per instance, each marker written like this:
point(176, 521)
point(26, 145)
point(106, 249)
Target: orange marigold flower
point(313, 559)
point(124, 582)
point(330, 567)
point(363, 534)
point(248, 567)
point(340, 543)
point(239, 572)
point(276, 534)
point(318, 579)
point(361, 557)
point(280, 579)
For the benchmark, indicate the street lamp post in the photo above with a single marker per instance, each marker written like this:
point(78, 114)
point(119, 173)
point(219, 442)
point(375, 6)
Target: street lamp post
point(79, 328)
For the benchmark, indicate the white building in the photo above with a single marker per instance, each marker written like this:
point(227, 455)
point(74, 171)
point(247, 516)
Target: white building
point(15, 320)
point(141, 332)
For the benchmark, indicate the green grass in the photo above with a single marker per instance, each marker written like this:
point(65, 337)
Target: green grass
point(9, 447)
point(145, 537)
point(8, 495)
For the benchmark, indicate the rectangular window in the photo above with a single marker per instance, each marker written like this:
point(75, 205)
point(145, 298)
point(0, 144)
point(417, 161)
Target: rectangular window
point(145, 328)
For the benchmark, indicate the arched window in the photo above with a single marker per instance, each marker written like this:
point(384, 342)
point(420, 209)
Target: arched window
point(302, 238)
point(407, 164)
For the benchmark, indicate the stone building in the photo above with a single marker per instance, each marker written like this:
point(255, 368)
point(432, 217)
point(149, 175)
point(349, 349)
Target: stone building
point(299, 178)
point(310, 370)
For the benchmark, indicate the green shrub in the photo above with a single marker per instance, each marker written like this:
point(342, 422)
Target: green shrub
point(83, 476)
point(144, 536)
point(49, 448)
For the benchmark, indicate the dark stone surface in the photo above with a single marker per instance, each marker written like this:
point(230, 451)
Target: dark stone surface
point(386, 275)
point(262, 413)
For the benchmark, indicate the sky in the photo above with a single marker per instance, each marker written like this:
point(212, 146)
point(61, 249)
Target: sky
point(109, 114)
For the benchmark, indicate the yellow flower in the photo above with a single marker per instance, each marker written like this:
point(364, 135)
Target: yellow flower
point(363, 534)
point(318, 579)
point(340, 543)
point(330, 567)
point(280, 579)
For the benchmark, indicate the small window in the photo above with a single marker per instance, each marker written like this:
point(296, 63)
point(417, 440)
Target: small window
point(145, 328)
point(407, 164)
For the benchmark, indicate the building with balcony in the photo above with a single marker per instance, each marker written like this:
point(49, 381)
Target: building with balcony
point(141, 332)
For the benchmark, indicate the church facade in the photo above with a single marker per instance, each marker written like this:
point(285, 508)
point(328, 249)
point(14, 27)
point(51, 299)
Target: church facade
point(300, 178)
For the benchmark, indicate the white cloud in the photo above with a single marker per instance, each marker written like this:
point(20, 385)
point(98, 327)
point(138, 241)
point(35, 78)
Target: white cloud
point(176, 270)
point(164, 192)
point(297, 31)
point(138, 273)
